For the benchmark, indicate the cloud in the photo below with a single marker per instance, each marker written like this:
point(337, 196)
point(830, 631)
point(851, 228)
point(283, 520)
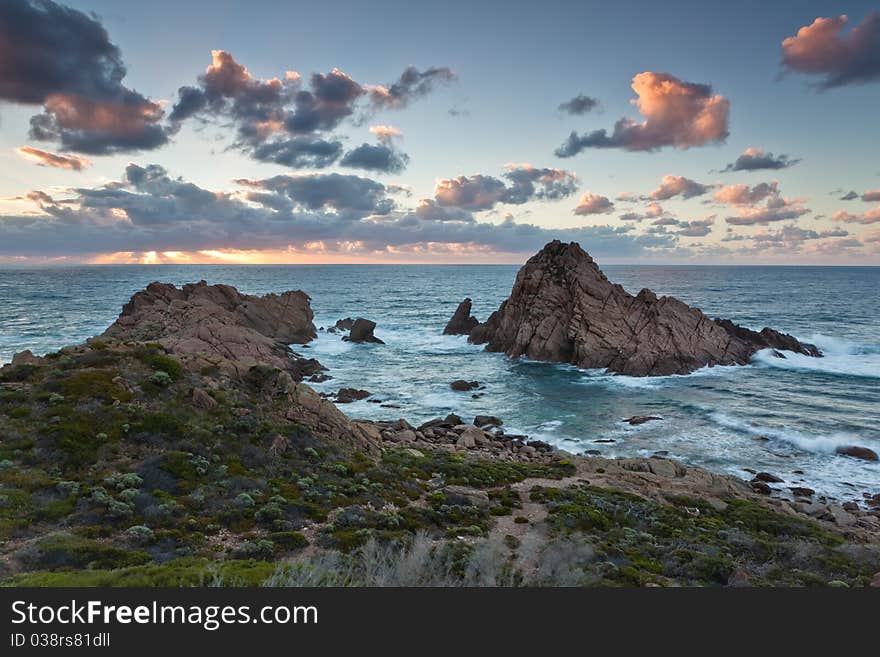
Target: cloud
point(745, 195)
point(695, 228)
point(792, 238)
point(672, 186)
point(63, 59)
point(381, 157)
point(385, 133)
point(756, 159)
point(410, 85)
point(288, 120)
point(57, 160)
point(150, 210)
point(823, 49)
point(871, 195)
point(299, 152)
point(850, 196)
point(522, 183)
point(776, 209)
point(593, 204)
point(870, 217)
point(353, 196)
point(579, 105)
point(677, 114)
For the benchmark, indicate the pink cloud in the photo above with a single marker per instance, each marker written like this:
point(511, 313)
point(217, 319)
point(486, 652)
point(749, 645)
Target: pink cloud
point(677, 113)
point(870, 217)
point(822, 48)
point(672, 186)
point(745, 195)
point(57, 160)
point(593, 204)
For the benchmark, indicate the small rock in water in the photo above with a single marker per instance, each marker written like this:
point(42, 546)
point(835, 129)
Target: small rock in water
point(348, 395)
point(641, 419)
point(605, 440)
point(858, 452)
point(801, 491)
point(769, 478)
point(761, 438)
point(362, 331)
point(460, 385)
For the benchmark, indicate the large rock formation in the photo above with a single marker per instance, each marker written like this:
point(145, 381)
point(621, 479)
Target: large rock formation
point(563, 309)
point(462, 322)
point(217, 325)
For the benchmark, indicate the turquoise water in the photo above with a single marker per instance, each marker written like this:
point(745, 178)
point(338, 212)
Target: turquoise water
point(806, 407)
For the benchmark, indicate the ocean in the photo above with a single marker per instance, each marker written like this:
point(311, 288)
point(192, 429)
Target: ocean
point(714, 418)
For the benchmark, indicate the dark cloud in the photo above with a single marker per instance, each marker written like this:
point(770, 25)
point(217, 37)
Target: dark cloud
point(850, 196)
point(63, 59)
point(410, 85)
point(755, 159)
point(526, 183)
point(379, 157)
point(288, 121)
point(871, 195)
point(579, 105)
point(352, 196)
point(695, 228)
point(149, 210)
point(299, 152)
point(677, 113)
point(838, 58)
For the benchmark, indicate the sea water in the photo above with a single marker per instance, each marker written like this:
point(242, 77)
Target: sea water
point(775, 415)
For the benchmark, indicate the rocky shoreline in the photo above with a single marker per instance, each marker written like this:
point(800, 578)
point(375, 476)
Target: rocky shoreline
point(186, 438)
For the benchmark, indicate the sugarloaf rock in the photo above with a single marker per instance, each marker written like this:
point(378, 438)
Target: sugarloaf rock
point(563, 309)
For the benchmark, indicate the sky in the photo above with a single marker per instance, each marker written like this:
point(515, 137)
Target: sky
point(455, 132)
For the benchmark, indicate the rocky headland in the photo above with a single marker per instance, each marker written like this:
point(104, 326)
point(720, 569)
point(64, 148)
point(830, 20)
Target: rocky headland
point(181, 448)
point(563, 309)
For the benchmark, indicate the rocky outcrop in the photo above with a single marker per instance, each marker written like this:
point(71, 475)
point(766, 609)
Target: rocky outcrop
point(462, 322)
point(563, 309)
point(362, 331)
point(216, 325)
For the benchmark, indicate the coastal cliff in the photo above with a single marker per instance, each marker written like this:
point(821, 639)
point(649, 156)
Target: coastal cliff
point(563, 309)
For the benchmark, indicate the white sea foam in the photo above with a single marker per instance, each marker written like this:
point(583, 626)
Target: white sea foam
point(826, 444)
point(841, 357)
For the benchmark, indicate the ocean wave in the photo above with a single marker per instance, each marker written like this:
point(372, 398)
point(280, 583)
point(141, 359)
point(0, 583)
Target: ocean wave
point(826, 444)
point(839, 357)
point(602, 377)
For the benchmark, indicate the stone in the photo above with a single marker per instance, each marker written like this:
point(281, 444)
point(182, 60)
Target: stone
point(801, 491)
point(466, 441)
point(201, 399)
point(462, 322)
point(343, 324)
point(217, 325)
point(636, 420)
point(463, 496)
point(858, 452)
point(487, 421)
point(761, 487)
point(362, 331)
point(349, 395)
point(662, 467)
point(475, 435)
point(563, 309)
point(769, 478)
point(739, 578)
point(460, 385)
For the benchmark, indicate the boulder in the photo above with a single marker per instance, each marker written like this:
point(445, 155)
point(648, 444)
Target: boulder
point(460, 385)
point(344, 324)
point(462, 322)
point(487, 421)
point(636, 420)
point(463, 496)
point(201, 399)
point(362, 331)
point(348, 395)
point(563, 309)
point(768, 478)
point(858, 452)
point(216, 325)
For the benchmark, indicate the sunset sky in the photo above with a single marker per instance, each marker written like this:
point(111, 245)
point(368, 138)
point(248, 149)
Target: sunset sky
point(472, 132)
